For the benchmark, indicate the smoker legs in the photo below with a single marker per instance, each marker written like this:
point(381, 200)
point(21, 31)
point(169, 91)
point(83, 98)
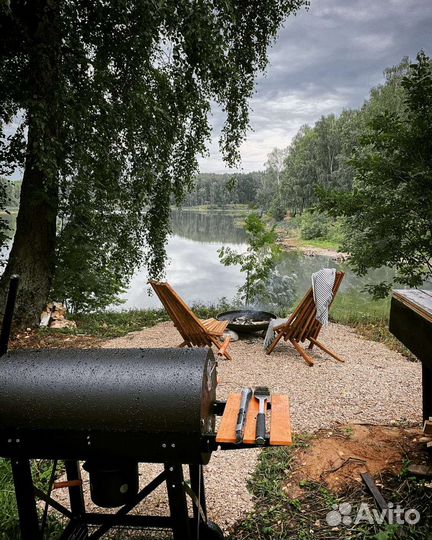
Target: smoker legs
point(76, 495)
point(78, 529)
point(177, 502)
point(183, 526)
point(26, 501)
point(197, 485)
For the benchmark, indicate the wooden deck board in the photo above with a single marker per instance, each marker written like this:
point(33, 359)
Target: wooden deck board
point(280, 422)
point(418, 300)
point(226, 431)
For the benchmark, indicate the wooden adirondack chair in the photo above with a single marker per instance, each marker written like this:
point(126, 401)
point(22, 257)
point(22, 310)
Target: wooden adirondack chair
point(194, 331)
point(303, 325)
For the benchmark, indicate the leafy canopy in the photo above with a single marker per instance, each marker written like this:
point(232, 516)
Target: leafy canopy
point(389, 212)
point(129, 97)
point(319, 155)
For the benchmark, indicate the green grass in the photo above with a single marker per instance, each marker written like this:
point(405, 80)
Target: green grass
point(292, 232)
point(9, 525)
point(277, 516)
point(319, 243)
point(368, 317)
point(111, 324)
point(355, 307)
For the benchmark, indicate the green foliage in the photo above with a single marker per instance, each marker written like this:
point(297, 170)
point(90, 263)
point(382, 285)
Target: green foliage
point(7, 193)
point(110, 324)
point(390, 532)
point(319, 156)
point(115, 97)
point(93, 267)
point(258, 261)
point(12, 190)
point(9, 525)
point(389, 212)
point(320, 225)
point(269, 192)
point(314, 225)
point(276, 516)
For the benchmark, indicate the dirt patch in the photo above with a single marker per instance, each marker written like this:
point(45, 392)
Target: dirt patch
point(338, 457)
point(50, 339)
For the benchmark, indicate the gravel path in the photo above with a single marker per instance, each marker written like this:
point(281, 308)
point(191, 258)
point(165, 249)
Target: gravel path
point(374, 385)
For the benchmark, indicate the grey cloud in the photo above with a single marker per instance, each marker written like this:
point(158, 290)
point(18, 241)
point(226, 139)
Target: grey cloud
point(324, 60)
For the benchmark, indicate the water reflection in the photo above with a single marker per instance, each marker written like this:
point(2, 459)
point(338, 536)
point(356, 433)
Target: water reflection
point(208, 227)
point(302, 267)
point(193, 270)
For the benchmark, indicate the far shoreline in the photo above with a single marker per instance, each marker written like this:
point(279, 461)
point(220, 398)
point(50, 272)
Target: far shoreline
point(293, 244)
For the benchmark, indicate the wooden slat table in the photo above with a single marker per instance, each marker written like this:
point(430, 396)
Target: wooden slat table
point(411, 323)
point(280, 423)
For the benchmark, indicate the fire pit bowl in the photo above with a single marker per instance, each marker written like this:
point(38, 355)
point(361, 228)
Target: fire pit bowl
point(247, 320)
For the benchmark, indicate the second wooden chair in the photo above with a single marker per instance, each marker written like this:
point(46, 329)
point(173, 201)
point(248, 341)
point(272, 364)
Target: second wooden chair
point(302, 325)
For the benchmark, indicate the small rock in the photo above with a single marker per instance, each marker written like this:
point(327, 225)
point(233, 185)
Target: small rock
point(420, 470)
point(230, 333)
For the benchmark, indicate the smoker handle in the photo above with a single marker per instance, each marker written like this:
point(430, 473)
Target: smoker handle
point(67, 484)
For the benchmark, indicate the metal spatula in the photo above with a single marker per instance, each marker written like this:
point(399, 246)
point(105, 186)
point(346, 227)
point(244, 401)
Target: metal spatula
point(262, 394)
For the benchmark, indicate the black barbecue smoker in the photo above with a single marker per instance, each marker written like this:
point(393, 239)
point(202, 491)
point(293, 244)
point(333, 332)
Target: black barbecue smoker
point(111, 409)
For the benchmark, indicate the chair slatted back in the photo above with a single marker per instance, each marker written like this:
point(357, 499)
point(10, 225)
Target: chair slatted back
point(302, 323)
point(187, 323)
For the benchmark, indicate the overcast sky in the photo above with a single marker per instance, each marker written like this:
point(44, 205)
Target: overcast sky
point(325, 60)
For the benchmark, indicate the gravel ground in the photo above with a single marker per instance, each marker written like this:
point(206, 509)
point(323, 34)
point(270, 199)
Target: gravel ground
point(375, 385)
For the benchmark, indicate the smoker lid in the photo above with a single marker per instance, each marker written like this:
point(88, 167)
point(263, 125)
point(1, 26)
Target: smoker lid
point(142, 390)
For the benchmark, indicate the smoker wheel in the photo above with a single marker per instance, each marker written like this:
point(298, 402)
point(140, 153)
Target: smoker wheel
point(211, 531)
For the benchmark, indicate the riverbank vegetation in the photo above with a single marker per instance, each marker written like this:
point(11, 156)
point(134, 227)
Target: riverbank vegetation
point(368, 317)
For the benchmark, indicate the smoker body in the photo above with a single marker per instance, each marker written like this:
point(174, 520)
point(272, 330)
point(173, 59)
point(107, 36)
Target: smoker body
point(148, 405)
point(112, 408)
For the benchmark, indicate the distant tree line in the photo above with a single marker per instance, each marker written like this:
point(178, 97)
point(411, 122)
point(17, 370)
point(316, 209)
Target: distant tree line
point(320, 155)
point(388, 212)
point(371, 170)
point(223, 189)
point(364, 176)
point(11, 190)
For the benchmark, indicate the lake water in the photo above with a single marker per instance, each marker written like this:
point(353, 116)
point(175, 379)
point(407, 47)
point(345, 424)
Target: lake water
point(195, 272)
point(193, 266)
